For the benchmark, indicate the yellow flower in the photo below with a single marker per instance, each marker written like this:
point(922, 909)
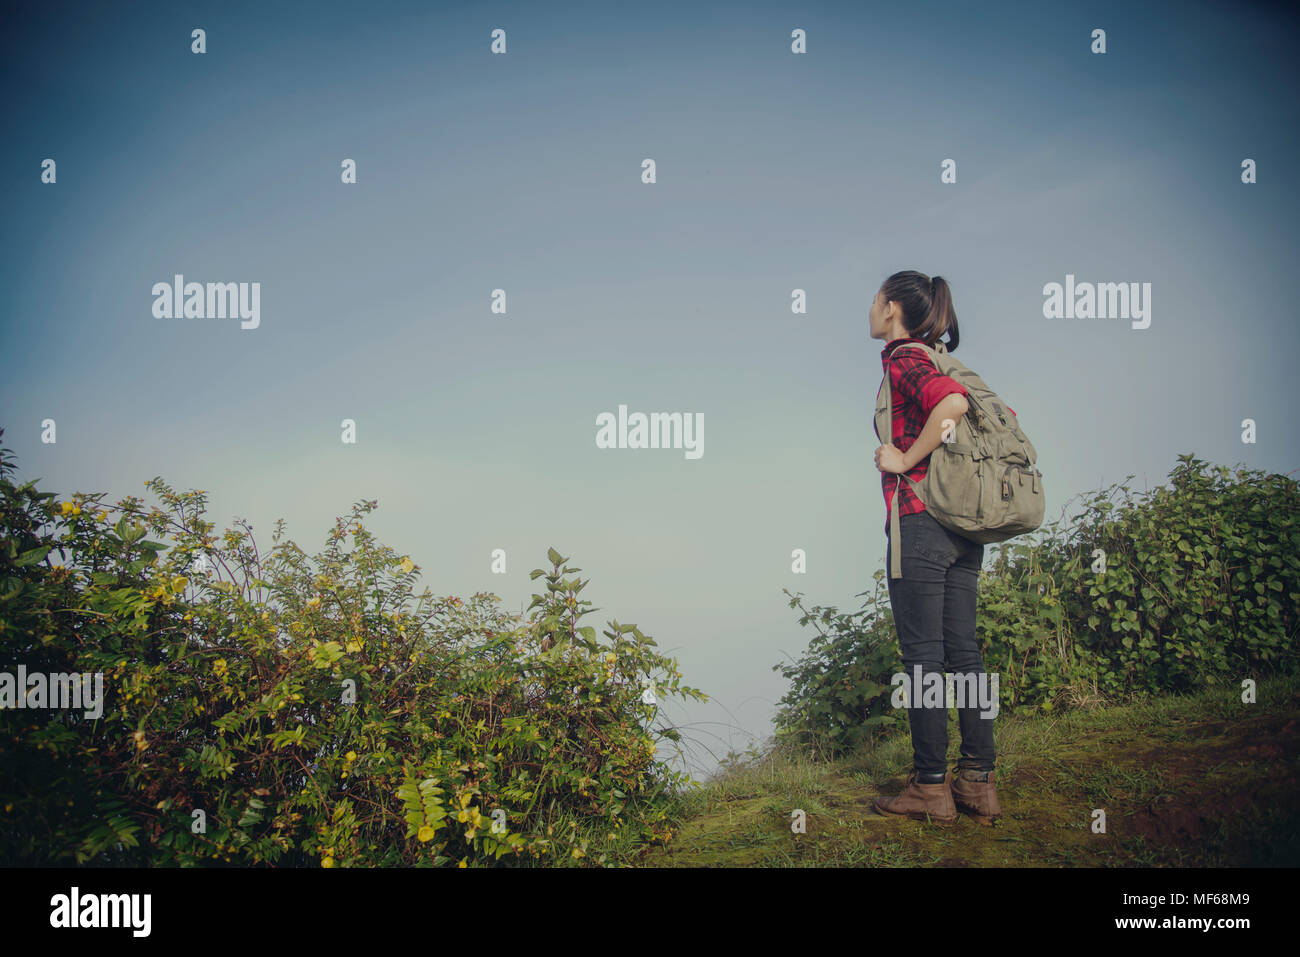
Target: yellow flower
point(462, 864)
point(327, 862)
point(407, 565)
point(353, 645)
point(102, 516)
point(425, 835)
point(351, 755)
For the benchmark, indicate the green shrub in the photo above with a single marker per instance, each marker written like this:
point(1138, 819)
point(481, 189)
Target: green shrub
point(310, 709)
point(840, 687)
point(1201, 585)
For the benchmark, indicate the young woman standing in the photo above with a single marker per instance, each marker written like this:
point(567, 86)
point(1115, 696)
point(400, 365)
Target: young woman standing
point(934, 602)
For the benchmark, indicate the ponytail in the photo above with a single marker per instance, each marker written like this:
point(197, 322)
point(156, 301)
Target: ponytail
point(927, 306)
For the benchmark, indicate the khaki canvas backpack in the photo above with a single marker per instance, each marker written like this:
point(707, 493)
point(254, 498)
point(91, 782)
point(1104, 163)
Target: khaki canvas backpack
point(982, 484)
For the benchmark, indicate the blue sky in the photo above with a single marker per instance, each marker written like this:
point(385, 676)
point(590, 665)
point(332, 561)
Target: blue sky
point(522, 171)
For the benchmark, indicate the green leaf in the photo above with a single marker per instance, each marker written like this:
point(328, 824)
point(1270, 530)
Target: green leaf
point(34, 555)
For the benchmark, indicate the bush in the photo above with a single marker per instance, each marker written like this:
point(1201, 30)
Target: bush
point(1197, 583)
point(840, 690)
point(281, 709)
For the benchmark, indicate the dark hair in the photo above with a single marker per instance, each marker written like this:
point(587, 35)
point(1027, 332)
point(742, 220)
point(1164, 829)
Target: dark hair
point(927, 306)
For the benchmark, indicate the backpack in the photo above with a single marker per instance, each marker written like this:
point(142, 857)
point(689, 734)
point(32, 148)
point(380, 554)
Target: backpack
point(983, 484)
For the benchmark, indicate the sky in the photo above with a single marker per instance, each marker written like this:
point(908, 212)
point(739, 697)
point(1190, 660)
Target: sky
point(522, 171)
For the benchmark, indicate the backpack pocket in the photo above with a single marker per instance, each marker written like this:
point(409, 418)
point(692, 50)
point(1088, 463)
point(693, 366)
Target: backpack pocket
point(1022, 499)
point(955, 490)
point(983, 499)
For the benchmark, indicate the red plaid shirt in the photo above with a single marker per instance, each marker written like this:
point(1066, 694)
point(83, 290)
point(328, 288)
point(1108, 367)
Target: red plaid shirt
point(917, 388)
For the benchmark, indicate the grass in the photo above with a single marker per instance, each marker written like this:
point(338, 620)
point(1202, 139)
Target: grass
point(1198, 780)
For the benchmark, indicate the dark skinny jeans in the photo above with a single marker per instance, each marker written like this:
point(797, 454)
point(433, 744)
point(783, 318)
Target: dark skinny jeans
point(934, 614)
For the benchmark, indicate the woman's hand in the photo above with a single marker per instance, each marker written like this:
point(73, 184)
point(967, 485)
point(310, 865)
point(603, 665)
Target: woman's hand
point(890, 459)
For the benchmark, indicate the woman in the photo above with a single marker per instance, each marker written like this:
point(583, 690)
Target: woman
point(934, 601)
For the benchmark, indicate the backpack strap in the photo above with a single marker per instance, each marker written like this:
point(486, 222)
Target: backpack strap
point(895, 556)
point(895, 561)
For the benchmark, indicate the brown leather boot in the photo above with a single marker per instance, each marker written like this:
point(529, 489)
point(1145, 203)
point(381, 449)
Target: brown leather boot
point(921, 802)
point(977, 798)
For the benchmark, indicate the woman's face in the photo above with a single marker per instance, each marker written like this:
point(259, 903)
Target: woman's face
point(877, 315)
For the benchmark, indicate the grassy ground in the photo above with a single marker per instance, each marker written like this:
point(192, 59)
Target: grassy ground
point(1202, 780)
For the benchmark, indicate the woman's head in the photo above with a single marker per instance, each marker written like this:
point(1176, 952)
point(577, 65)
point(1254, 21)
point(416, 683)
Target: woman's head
point(910, 303)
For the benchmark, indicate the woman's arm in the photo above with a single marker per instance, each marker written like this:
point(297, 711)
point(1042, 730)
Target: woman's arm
point(952, 406)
